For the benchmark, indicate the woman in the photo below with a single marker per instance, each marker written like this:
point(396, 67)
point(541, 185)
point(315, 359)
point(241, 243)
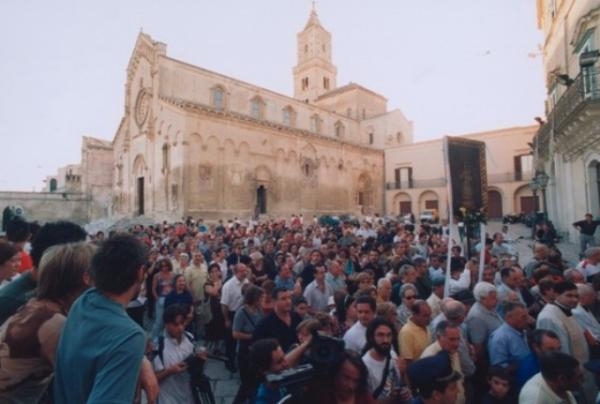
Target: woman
point(10, 260)
point(215, 329)
point(161, 287)
point(408, 293)
point(181, 296)
point(244, 323)
point(29, 338)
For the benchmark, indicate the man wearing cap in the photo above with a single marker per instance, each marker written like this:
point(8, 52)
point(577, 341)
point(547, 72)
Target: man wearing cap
point(442, 365)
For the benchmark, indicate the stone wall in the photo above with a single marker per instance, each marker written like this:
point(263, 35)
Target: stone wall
point(46, 206)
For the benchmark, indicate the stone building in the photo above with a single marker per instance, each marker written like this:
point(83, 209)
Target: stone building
point(568, 142)
point(196, 142)
point(415, 176)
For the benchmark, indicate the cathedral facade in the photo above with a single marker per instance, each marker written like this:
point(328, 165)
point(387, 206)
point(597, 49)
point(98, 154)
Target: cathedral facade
point(195, 142)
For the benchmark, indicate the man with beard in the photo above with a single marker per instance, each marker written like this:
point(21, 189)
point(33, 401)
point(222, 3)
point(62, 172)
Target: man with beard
point(384, 380)
point(100, 352)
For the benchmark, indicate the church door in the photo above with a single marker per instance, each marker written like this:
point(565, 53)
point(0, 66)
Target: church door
point(261, 199)
point(140, 195)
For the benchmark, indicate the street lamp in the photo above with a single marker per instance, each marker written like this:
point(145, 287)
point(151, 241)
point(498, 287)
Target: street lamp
point(542, 180)
point(534, 186)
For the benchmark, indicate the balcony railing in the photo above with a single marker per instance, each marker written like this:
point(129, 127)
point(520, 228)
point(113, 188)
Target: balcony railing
point(584, 89)
point(430, 183)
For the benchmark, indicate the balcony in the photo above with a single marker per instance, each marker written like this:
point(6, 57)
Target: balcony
point(416, 184)
point(572, 121)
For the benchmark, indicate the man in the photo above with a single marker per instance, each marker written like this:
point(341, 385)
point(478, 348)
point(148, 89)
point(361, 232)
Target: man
point(435, 267)
point(384, 290)
point(268, 357)
point(586, 228)
point(18, 291)
point(220, 260)
point(590, 266)
point(584, 316)
point(509, 289)
point(374, 265)
point(482, 320)
point(406, 274)
point(560, 375)
point(170, 362)
point(356, 338)
point(281, 323)
point(507, 345)
point(414, 336)
point(422, 283)
point(544, 296)
point(558, 317)
point(542, 342)
point(434, 380)
point(448, 340)
point(498, 246)
point(195, 279)
point(384, 380)
point(231, 301)
point(318, 292)
point(541, 252)
point(437, 294)
point(101, 348)
point(335, 276)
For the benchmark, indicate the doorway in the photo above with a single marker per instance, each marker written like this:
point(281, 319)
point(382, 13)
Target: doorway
point(494, 204)
point(140, 195)
point(261, 200)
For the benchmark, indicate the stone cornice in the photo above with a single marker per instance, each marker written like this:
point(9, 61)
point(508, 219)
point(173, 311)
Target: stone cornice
point(238, 117)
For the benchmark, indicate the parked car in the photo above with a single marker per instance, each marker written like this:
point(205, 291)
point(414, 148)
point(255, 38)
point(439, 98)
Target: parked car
point(429, 216)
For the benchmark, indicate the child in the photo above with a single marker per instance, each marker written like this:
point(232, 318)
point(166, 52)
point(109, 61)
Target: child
point(499, 382)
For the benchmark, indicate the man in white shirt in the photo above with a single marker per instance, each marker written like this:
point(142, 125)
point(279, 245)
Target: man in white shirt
point(318, 292)
point(590, 266)
point(586, 319)
point(170, 362)
point(560, 375)
point(231, 300)
point(355, 338)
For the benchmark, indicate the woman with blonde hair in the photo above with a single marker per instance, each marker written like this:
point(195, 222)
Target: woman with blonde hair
point(28, 339)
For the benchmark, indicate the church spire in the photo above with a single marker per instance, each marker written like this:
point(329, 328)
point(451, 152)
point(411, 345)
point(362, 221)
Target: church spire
point(314, 74)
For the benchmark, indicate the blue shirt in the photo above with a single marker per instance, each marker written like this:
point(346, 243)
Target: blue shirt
point(99, 353)
point(507, 346)
point(287, 283)
point(528, 368)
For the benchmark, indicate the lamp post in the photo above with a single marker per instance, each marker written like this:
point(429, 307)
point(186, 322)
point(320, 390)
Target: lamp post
point(534, 186)
point(541, 178)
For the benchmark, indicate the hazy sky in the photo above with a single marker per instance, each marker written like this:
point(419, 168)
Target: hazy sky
point(453, 67)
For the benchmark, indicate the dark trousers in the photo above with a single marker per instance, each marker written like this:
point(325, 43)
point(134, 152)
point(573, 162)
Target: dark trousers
point(230, 342)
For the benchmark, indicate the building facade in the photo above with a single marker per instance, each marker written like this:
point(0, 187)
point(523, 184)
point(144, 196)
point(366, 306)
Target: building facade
point(195, 142)
point(415, 175)
point(567, 145)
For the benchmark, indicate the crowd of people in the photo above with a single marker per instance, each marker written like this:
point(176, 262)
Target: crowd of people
point(356, 311)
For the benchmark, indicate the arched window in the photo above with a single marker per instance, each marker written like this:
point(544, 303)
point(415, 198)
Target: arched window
point(53, 184)
point(289, 116)
point(315, 123)
point(339, 129)
point(218, 98)
point(165, 158)
point(257, 107)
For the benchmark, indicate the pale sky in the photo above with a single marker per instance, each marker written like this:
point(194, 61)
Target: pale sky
point(453, 67)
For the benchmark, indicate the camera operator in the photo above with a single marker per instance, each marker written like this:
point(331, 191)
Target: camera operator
point(385, 378)
point(174, 356)
point(266, 356)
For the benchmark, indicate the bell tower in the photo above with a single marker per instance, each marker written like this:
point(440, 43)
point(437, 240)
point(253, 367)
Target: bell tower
point(314, 74)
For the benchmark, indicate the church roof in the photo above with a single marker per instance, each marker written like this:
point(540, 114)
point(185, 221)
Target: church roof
point(349, 87)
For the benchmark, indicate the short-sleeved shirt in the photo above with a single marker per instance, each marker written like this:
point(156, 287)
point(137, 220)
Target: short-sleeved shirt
point(317, 299)
point(231, 294)
point(175, 388)
point(413, 340)
point(245, 322)
point(537, 391)
point(356, 337)
point(99, 354)
point(392, 382)
point(184, 299)
point(196, 278)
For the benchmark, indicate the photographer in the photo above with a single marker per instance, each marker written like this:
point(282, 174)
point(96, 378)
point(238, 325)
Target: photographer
point(174, 356)
point(266, 356)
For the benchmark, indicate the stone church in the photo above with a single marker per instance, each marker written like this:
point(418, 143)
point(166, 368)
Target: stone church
point(195, 142)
